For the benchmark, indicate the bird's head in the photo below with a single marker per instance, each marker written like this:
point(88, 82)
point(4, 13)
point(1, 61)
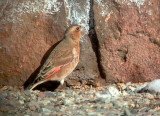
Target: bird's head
point(74, 32)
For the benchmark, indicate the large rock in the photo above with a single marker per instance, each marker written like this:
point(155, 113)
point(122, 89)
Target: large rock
point(129, 39)
point(29, 29)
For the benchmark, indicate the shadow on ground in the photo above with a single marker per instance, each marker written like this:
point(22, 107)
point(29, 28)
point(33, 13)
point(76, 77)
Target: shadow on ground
point(50, 85)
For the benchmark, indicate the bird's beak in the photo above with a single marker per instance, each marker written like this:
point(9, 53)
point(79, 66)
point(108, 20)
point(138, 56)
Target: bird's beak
point(81, 28)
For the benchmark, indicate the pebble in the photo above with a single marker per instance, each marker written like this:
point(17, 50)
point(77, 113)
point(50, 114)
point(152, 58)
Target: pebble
point(127, 112)
point(45, 110)
point(49, 94)
point(21, 101)
point(68, 102)
point(103, 100)
point(149, 96)
point(128, 84)
point(118, 104)
point(113, 91)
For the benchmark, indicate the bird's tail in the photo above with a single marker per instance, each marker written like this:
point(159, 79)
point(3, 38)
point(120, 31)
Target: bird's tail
point(33, 85)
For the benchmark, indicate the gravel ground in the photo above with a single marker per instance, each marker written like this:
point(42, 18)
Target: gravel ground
point(112, 100)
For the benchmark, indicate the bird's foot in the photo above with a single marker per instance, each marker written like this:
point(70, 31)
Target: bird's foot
point(62, 81)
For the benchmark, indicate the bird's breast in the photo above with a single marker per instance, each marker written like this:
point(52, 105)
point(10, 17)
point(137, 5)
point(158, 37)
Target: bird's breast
point(75, 53)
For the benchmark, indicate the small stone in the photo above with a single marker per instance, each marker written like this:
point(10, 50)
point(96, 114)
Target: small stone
point(5, 93)
point(45, 110)
point(83, 107)
point(127, 112)
point(132, 105)
point(103, 100)
point(124, 93)
point(119, 104)
point(149, 96)
point(33, 96)
point(6, 107)
point(81, 93)
point(139, 88)
point(35, 114)
point(67, 102)
point(2, 97)
point(49, 94)
point(128, 84)
point(113, 91)
point(46, 101)
point(21, 101)
point(124, 87)
point(91, 114)
point(103, 95)
point(134, 111)
point(132, 88)
point(60, 94)
point(42, 95)
point(27, 92)
point(33, 105)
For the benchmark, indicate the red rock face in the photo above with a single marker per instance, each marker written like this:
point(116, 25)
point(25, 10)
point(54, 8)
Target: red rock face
point(128, 35)
point(25, 37)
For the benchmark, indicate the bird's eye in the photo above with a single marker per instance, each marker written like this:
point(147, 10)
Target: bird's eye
point(78, 28)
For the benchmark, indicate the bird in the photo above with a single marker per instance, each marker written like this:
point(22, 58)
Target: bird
point(62, 60)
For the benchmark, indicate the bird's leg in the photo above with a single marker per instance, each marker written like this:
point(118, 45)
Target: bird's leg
point(62, 81)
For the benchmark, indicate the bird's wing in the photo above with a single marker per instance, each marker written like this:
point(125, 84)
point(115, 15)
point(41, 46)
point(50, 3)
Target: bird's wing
point(54, 63)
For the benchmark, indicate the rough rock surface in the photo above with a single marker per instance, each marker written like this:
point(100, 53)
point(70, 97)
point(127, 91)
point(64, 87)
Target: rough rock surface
point(29, 30)
point(129, 39)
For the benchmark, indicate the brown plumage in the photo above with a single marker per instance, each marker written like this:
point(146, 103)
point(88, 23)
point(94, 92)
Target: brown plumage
point(62, 60)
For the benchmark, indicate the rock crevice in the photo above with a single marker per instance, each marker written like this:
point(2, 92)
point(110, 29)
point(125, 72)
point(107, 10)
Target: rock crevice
point(94, 40)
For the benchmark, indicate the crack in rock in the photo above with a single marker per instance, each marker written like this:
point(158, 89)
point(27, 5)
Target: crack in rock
point(95, 41)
